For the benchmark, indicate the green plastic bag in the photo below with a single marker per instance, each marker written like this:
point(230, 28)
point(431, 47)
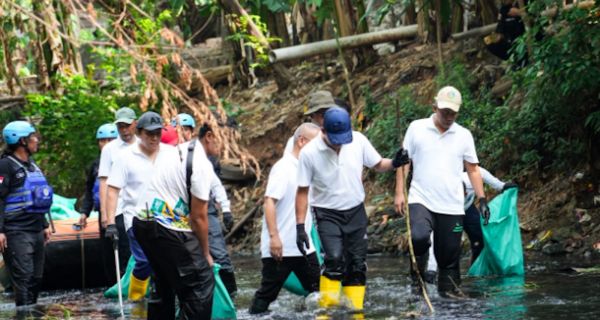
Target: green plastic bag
point(292, 283)
point(502, 253)
point(113, 291)
point(223, 307)
point(63, 208)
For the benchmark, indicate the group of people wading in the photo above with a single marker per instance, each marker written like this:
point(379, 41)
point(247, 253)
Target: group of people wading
point(157, 188)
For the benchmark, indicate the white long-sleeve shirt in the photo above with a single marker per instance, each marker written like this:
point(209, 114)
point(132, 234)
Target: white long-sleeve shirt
point(488, 179)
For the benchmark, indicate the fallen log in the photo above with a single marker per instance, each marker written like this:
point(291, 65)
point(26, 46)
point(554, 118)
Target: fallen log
point(327, 46)
point(476, 32)
point(244, 219)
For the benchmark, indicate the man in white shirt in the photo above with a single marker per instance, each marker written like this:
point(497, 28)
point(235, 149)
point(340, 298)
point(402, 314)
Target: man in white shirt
point(331, 165)
point(439, 149)
point(279, 252)
point(128, 179)
point(125, 121)
point(174, 233)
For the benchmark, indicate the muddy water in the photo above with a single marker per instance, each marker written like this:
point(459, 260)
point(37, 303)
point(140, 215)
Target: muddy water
point(544, 293)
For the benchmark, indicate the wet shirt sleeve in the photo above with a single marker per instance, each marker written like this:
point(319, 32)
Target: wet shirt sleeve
point(202, 177)
point(491, 180)
point(118, 174)
point(305, 170)
point(277, 183)
point(469, 155)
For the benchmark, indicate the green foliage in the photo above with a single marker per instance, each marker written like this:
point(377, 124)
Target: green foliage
point(67, 125)
point(559, 117)
point(241, 33)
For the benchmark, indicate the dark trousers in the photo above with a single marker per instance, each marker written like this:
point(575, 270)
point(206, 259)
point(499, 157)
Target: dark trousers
point(447, 232)
point(108, 256)
point(274, 274)
point(343, 236)
point(473, 230)
point(24, 259)
point(180, 268)
point(219, 253)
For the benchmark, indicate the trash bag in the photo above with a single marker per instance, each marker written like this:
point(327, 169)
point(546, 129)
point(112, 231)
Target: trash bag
point(292, 283)
point(502, 253)
point(223, 307)
point(112, 292)
point(63, 208)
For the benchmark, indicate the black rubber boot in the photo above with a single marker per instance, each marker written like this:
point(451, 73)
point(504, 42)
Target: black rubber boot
point(448, 282)
point(259, 306)
point(228, 278)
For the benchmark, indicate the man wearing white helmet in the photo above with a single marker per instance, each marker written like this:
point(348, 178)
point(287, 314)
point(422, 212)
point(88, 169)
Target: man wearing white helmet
point(439, 149)
point(25, 197)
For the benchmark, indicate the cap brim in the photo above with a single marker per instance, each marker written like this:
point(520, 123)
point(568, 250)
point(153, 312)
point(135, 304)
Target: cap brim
point(316, 108)
point(153, 127)
point(340, 138)
point(124, 120)
point(448, 105)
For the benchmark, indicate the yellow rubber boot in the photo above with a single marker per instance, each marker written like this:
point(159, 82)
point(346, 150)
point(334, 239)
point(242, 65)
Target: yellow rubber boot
point(330, 292)
point(356, 295)
point(137, 288)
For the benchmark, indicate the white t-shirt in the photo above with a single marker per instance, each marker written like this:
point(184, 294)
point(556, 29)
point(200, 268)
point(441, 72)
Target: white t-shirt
point(336, 180)
point(111, 151)
point(282, 186)
point(438, 161)
point(167, 196)
point(132, 171)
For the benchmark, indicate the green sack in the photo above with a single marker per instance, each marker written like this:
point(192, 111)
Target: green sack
point(223, 307)
point(113, 291)
point(63, 208)
point(502, 253)
point(292, 283)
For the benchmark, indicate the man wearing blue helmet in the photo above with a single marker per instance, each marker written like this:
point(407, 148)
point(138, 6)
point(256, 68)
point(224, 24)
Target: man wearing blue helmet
point(187, 123)
point(25, 197)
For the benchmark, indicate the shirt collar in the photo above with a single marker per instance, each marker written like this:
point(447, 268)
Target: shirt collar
point(432, 126)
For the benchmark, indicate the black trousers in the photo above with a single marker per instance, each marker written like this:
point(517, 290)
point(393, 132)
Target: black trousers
point(274, 274)
point(180, 268)
point(24, 259)
point(447, 232)
point(473, 230)
point(108, 257)
point(343, 236)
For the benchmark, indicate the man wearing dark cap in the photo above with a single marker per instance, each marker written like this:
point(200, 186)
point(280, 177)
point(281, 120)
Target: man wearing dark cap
point(129, 177)
point(331, 165)
point(125, 121)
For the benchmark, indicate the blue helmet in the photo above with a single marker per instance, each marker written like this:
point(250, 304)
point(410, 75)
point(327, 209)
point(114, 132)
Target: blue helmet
point(107, 131)
point(184, 120)
point(16, 130)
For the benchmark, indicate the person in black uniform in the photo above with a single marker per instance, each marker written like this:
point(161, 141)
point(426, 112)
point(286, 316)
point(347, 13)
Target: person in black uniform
point(91, 200)
point(25, 197)
point(510, 27)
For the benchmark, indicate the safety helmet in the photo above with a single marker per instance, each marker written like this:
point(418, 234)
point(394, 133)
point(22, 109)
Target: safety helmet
point(16, 130)
point(107, 131)
point(184, 120)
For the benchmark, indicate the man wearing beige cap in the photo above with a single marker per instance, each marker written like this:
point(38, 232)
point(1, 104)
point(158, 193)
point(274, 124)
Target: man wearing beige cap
point(318, 102)
point(439, 149)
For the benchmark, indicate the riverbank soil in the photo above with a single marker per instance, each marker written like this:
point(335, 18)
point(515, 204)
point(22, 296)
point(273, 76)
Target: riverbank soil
point(559, 212)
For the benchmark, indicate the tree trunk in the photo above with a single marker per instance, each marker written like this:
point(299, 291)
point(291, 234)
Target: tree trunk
point(487, 10)
point(282, 75)
point(410, 15)
point(457, 18)
point(344, 22)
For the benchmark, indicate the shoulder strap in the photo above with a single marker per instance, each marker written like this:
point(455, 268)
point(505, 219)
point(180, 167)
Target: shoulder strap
point(188, 169)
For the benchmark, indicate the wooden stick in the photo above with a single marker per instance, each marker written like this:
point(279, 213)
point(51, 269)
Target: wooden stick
point(244, 219)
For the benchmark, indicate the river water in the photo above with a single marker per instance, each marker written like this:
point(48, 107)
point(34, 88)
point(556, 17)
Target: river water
point(546, 292)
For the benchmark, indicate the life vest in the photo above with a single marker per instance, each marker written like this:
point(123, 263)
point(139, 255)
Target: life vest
point(34, 196)
point(96, 194)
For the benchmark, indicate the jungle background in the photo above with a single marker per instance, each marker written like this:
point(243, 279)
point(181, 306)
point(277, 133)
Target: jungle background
point(67, 65)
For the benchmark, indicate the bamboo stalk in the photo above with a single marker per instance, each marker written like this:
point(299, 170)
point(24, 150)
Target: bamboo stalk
point(411, 249)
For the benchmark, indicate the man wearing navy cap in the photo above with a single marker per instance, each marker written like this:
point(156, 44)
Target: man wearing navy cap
point(331, 165)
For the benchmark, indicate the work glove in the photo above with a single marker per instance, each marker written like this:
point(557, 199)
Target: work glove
point(484, 210)
point(302, 238)
point(111, 232)
point(509, 185)
point(400, 159)
point(227, 221)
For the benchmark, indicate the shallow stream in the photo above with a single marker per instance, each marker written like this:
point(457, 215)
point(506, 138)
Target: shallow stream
point(546, 292)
